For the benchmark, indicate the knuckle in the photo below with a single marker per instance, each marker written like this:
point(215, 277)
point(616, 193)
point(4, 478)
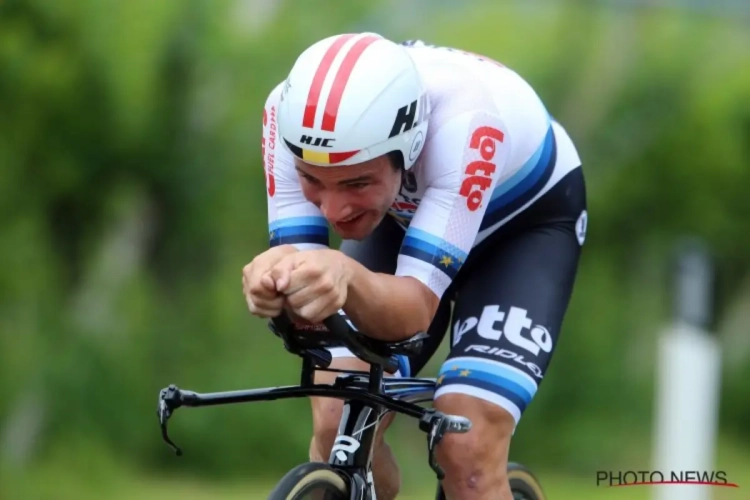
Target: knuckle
point(294, 302)
point(326, 284)
point(315, 272)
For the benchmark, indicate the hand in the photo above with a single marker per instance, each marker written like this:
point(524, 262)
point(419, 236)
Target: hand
point(263, 299)
point(315, 282)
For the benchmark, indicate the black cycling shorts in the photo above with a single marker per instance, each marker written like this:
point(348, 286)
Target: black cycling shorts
point(509, 298)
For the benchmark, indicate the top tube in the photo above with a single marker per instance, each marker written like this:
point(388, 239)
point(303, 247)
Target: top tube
point(410, 390)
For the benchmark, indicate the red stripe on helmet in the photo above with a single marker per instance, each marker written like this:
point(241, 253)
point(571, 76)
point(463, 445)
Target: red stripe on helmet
point(342, 77)
point(308, 120)
point(339, 157)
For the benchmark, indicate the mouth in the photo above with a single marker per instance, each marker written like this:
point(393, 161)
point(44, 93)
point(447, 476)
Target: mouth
point(351, 221)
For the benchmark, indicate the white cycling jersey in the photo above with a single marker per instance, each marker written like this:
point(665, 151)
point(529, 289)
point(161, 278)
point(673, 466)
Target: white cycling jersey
point(491, 150)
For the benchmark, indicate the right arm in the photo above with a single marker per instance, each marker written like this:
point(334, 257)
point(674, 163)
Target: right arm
point(292, 220)
point(294, 224)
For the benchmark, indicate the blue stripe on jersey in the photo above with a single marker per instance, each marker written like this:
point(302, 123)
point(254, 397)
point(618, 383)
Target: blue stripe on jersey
point(497, 367)
point(433, 240)
point(309, 220)
point(433, 250)
point(497, 386)
point(524, 184)
point(298, 230)
point(500, 380)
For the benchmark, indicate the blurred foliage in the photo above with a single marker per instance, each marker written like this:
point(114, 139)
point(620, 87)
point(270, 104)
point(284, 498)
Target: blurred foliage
point(133, 193)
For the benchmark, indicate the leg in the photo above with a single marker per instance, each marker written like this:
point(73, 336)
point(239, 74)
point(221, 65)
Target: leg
point(326, 417)
point(508, 316)
point(327, 411)
point(475, 463)
point(378, 252)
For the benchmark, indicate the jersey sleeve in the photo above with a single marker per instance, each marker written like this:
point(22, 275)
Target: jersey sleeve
point(292, 220)
point(465, 160)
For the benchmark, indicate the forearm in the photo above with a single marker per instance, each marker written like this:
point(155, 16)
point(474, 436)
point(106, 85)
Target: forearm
point(386, 307)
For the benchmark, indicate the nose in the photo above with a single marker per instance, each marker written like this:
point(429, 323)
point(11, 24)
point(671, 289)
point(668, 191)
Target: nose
point(335, 206)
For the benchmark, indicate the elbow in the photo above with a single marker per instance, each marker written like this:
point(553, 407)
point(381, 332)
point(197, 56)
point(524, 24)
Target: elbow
point(424, 311)
point(423, 321)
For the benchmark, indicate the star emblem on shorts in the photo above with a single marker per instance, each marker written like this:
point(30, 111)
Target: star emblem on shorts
point(446, 260)
point(464, 373)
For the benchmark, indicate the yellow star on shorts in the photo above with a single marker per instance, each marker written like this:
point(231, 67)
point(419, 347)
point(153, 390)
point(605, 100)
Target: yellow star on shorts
point(446, 261)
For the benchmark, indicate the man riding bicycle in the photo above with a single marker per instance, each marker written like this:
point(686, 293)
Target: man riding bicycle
point(450, 185)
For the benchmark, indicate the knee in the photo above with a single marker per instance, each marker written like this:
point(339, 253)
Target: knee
point(475, 462)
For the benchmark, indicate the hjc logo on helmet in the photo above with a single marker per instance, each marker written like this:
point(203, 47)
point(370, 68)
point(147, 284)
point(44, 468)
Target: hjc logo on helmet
point(317, 141)
point(406, 116)
point(479, 171)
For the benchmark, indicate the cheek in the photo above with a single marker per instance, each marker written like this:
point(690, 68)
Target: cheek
point(356, 199)
point(376, 197)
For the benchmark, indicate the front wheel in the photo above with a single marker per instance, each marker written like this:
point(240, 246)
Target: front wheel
point(311, 481)
point(523, 484)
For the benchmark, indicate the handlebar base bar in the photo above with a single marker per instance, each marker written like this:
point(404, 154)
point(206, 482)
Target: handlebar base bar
point(361, 386)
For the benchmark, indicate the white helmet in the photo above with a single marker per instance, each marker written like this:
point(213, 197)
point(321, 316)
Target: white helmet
point(353, 97)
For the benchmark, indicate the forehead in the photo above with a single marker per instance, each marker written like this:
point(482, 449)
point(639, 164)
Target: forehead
point(371, 168)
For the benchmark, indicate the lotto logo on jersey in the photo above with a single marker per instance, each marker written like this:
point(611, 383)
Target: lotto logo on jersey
point(479, 172)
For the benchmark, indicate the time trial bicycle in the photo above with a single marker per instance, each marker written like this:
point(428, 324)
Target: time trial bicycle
point(367, 396)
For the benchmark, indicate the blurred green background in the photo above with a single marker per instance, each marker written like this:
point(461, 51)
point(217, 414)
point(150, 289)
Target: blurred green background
point(132, 194)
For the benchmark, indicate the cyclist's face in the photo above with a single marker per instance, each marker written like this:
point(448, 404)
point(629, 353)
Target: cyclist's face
point(354, 199)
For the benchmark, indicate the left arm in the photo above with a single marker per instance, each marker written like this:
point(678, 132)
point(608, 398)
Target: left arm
point(467, 158)
point(394, 307)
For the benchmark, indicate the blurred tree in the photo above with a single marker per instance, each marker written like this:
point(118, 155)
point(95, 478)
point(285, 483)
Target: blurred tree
point(133, 193)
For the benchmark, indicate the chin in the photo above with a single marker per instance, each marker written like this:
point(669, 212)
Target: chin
point(356, 234)
point(360, 231)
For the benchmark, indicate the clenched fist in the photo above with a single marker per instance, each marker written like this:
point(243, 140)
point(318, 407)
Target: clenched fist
point(262, 296)
point(315, 282)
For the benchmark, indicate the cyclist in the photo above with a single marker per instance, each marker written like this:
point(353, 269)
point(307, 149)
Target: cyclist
point(450, 185)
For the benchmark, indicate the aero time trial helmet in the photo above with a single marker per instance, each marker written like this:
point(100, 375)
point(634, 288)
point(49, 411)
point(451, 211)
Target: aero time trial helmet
point(353, 97)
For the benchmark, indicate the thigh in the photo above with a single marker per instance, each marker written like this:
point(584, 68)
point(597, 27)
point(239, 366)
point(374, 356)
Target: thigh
point(510, 308)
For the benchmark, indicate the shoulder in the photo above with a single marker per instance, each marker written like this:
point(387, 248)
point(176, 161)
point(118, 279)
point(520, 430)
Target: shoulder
point(497, 115)
point(270, 110)
point(274, 96)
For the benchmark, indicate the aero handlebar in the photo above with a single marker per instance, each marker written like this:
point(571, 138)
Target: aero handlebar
point(310, 341)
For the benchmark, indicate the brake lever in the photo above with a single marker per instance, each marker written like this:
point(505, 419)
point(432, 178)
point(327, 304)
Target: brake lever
point(169, 400)
point(436, 425)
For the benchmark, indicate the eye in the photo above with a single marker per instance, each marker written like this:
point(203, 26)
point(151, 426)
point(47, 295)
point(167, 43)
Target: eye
point(358, 185)
point(311, 180)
